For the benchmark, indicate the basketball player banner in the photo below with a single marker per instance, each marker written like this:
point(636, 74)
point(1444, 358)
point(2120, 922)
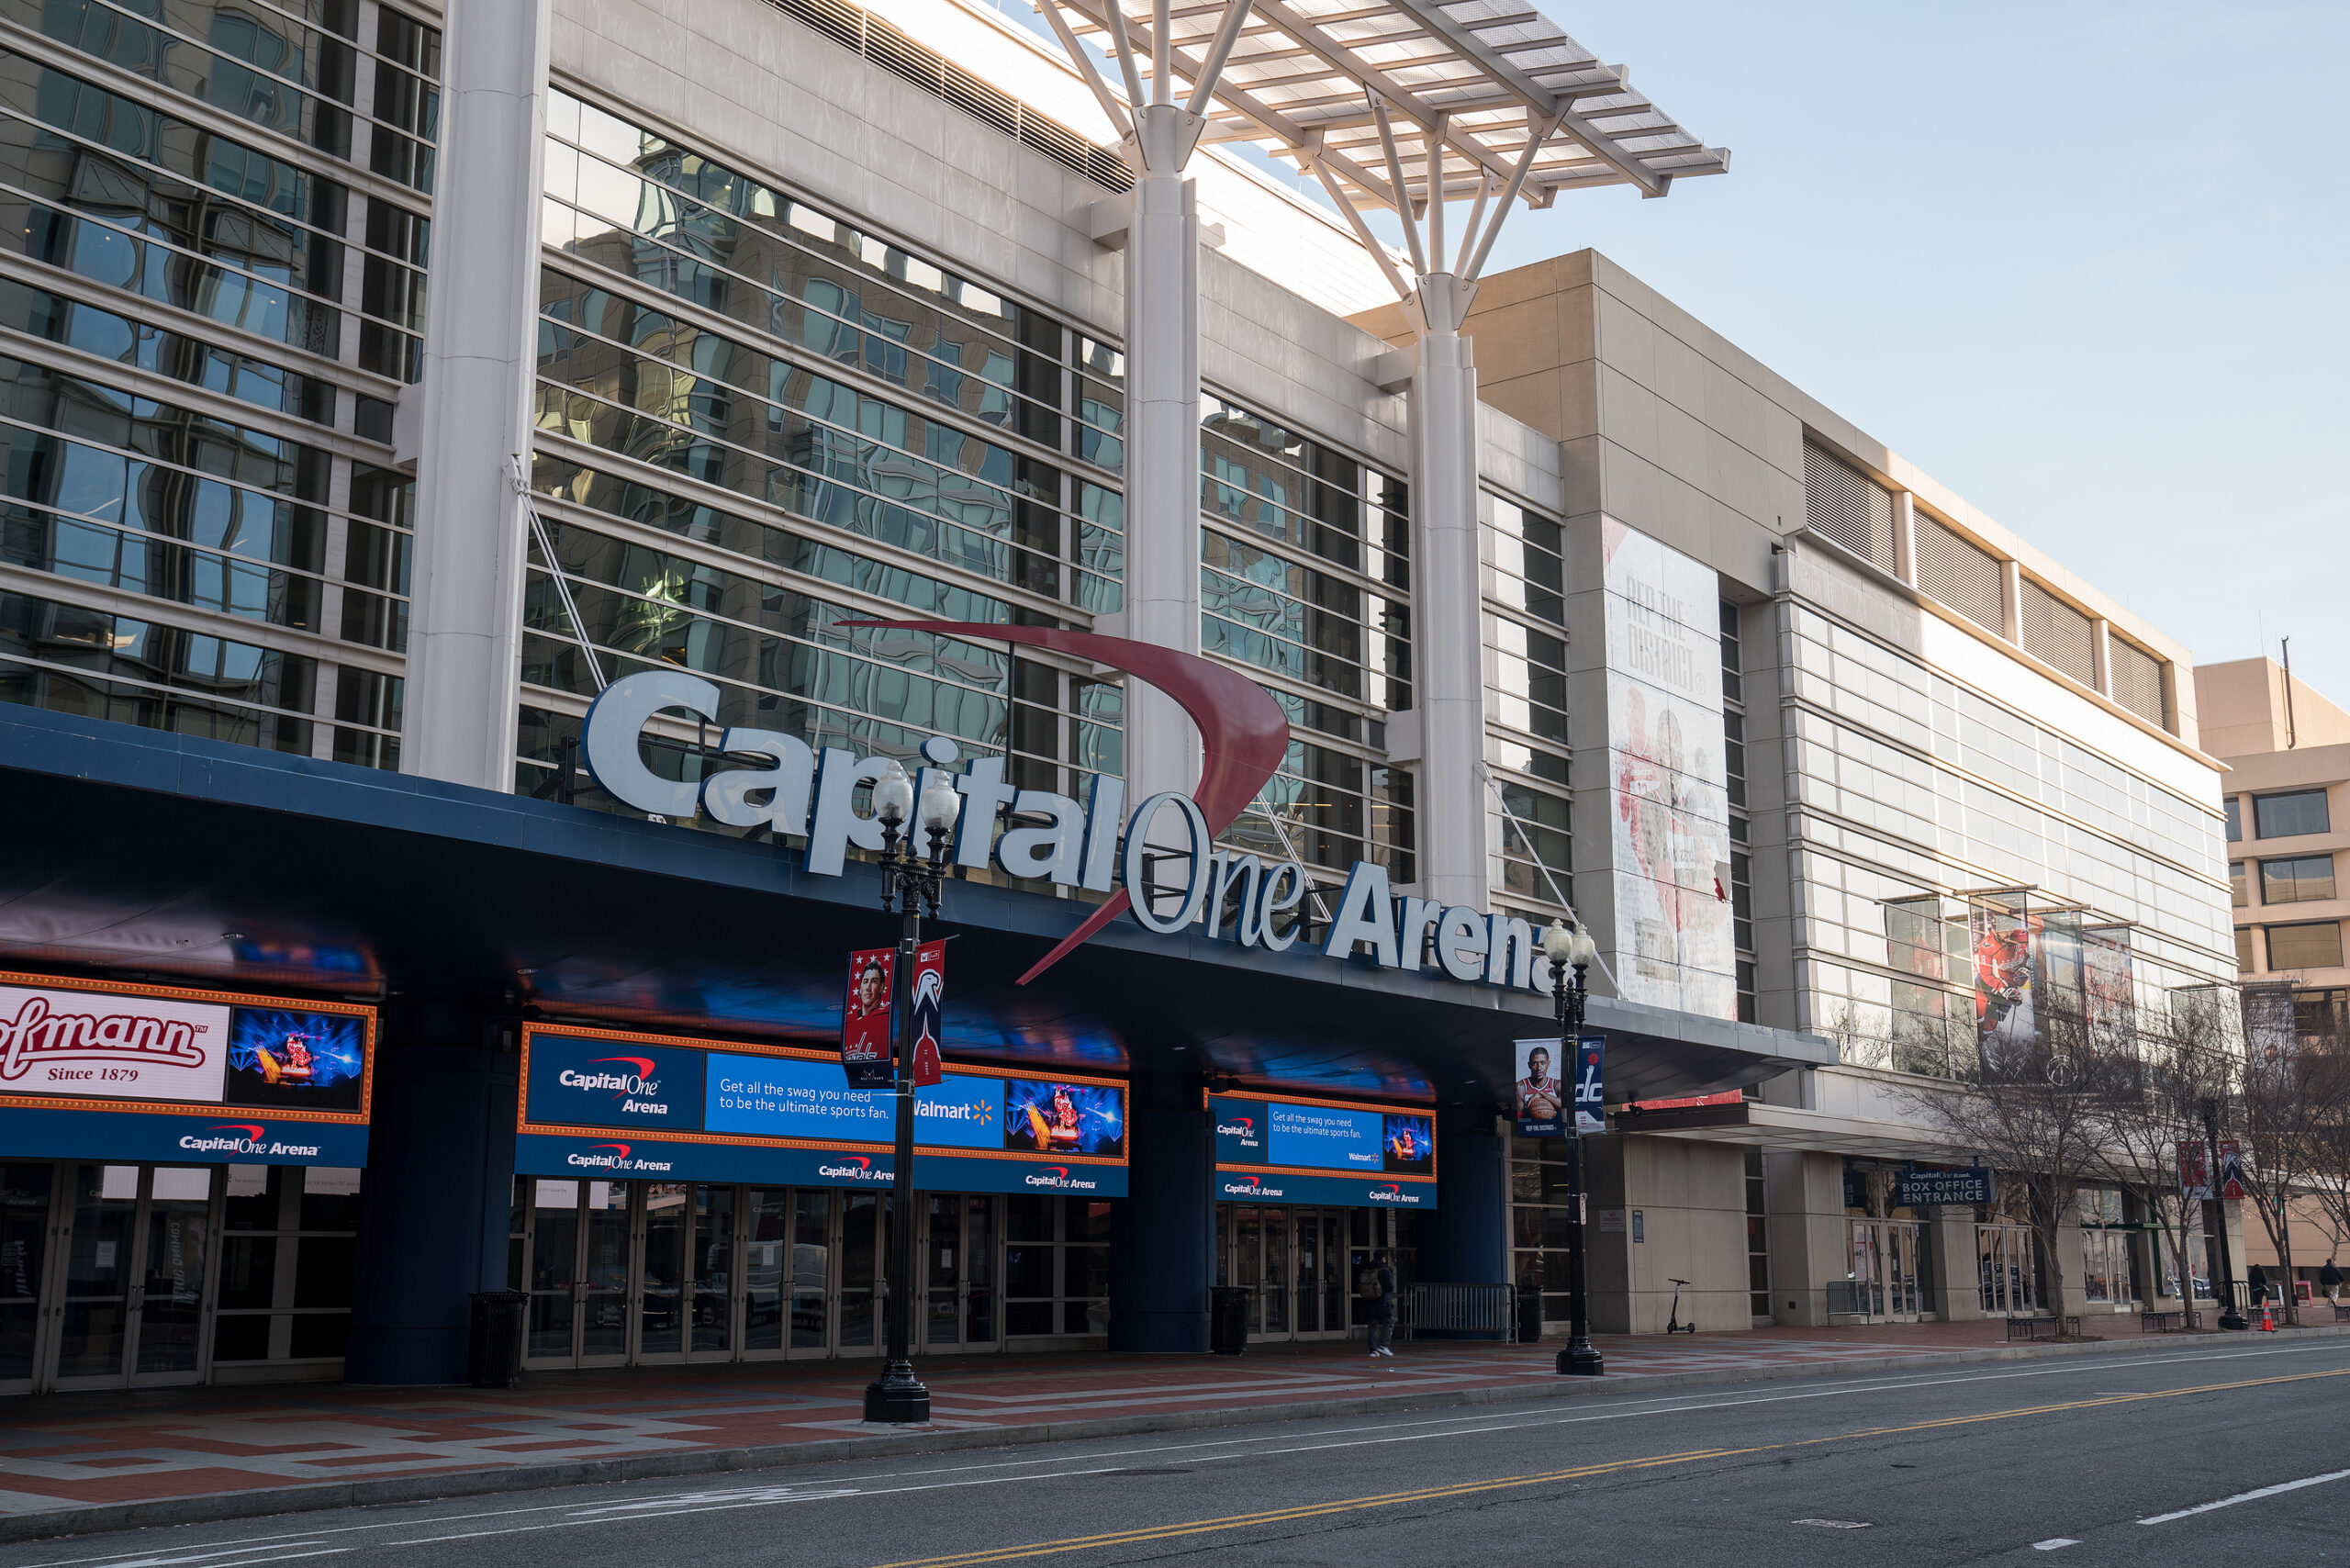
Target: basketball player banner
point(1541, 1091)
point(866, 1055)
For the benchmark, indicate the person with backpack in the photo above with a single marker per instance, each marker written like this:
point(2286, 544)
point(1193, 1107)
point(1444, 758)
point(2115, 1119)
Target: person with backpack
point(1376, 1286)
point(2329, 1280)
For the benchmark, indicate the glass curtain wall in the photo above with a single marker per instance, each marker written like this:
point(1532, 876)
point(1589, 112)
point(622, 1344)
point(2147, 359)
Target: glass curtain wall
point(213, 303)
point(757, 420)
point(1526, 708)
point(1910, 782)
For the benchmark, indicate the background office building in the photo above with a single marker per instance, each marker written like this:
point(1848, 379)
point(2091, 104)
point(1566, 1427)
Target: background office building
point(343, 476)
point(2288, 753)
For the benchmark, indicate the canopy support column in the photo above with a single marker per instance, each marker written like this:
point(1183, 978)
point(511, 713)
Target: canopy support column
point(465, 650)
point(1162, 509)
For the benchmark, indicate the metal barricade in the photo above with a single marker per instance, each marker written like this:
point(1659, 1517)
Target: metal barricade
point(1461, 1311)
point(1847, 1298)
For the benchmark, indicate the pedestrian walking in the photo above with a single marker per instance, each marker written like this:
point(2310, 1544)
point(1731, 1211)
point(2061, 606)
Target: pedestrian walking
point(2255, 1280)
point(2329, 1280)
point(1376, 1286)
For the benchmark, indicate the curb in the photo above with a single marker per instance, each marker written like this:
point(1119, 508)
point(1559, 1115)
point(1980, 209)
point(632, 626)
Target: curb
point(213, 1508)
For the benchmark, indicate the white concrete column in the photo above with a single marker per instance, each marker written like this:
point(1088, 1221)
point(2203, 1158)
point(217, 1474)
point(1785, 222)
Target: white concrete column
point(2101, 655)
point(1905, 537)
point(1162, 442)
point(1448, 619)
point(480, 353)
point(2011, 601)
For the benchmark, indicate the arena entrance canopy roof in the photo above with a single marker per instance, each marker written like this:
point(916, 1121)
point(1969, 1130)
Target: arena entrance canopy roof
point(1408, 105)
point(1367, 90)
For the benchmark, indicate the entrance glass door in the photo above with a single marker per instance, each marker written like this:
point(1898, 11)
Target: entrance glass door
point(2003, 1270)
point(94, 1320)
point(138, 1255)
point(168, 1325)
point(24, 1192)
point(1885, 1269)
point(579, 1274)
point(685, 1290)
point(1293, 1264)
point(2104, 1269)
point(554, 1285)
point(958, 1267)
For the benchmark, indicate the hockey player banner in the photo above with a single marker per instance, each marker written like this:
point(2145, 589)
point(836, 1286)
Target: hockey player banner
point(866, 1056)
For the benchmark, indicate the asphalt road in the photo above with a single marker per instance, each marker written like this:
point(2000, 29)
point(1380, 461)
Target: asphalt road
point(2169, 1455)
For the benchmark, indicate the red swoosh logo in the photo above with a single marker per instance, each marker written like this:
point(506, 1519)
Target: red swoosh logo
point(247, 1128)
point(621, 1147)
point(644, 1065)
point(1243, 732)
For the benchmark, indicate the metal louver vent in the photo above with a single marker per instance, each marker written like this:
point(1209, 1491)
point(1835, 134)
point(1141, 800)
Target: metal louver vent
point(897, 52)
point(1960, 575)
point(2057, 635)
point(2138, 682)
point(1848, 506)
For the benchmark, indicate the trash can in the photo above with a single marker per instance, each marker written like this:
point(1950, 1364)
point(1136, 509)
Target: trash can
point(493, 1358)
point(1227, 1320)
point(1530, 1317)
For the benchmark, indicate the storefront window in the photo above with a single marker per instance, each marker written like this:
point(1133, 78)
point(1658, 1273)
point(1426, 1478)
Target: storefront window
point(1056, 1265)
point(285, 1262)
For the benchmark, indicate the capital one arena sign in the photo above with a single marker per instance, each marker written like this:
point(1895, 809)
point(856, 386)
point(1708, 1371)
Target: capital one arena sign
point(1095, 845)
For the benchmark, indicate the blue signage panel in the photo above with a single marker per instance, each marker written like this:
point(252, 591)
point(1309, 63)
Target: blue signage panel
point(547, 1154)
point(1321, 1137)
point(607, 1083)
point(1241, 1131)
point(1274, 1150)
point(1964, 1185)
point(680, 1109)
point(1298, 1187)
point(220, 1136)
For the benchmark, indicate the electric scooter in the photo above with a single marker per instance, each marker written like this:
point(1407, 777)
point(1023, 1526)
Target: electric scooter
point(1674, 1325)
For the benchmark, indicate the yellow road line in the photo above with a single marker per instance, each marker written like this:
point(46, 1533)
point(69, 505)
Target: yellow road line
point(1306, 1510)
point(1432, 1493)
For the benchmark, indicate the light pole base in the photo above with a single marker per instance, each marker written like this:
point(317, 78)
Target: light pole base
point(1578, 1360)
point(2234, 1321)
point(897, 1396)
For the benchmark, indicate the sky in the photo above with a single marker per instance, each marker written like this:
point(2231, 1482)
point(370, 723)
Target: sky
point(2082, 263)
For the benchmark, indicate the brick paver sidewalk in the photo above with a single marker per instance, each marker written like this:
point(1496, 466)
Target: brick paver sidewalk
point(68, 1450)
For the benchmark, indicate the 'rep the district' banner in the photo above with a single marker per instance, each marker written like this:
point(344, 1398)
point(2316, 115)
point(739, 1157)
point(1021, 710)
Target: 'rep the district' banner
point(864, 1019)
point(1591, 1104)
point(930, 996)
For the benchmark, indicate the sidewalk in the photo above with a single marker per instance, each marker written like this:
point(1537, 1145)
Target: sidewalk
point(154, 1456)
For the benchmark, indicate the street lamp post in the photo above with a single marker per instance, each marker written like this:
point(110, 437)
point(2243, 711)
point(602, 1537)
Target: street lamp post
point(909, 883)
point(2225, 1287)
point(1572, 951)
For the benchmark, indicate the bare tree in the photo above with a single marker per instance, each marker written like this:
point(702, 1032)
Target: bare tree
point(2166, 1073)
point(2037, 1108)
point(2296, 1097)
point(2325, 1158)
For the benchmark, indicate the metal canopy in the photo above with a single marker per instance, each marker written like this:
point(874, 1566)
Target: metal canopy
point(1366, 90)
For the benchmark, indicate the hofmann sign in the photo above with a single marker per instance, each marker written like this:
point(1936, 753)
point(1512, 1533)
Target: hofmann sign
point(1096, 845)
point(127, 1072)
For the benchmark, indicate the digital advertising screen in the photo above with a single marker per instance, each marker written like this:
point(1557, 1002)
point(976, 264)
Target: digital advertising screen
point(719, 1111)
point(1326, 1149)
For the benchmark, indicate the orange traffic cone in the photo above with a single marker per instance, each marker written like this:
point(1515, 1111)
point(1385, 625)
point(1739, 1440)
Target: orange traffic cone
point(2267, 1318)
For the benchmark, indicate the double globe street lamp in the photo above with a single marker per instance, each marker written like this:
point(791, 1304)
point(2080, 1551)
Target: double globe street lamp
point(1570, 951)
point(910, 882)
